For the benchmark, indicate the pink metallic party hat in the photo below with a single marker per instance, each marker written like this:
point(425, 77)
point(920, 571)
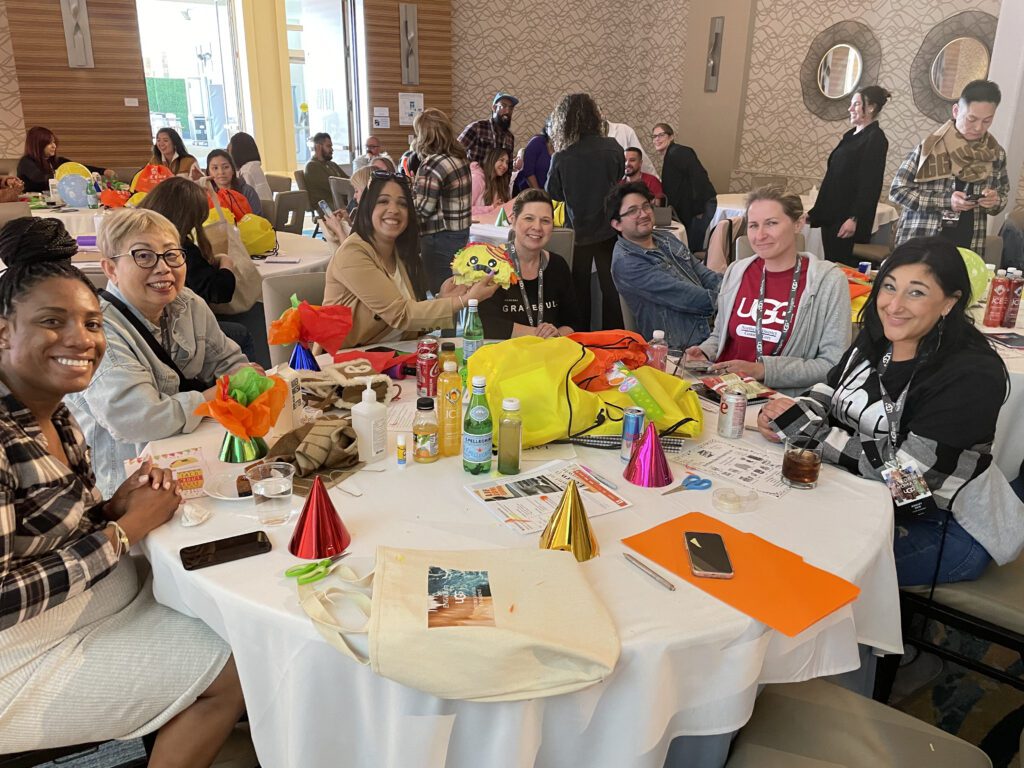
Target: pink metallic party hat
point(648, 466)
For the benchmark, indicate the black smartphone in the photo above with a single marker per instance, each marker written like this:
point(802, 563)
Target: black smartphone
point(325, 209)
point(224, 550)
point(708, 556)
point(974, 196)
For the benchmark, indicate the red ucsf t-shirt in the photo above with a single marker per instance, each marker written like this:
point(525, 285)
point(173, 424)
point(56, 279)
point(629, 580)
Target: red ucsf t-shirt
point(742, 329)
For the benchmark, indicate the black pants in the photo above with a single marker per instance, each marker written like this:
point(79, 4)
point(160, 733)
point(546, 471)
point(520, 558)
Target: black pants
point(837, 249)
point(583, 257)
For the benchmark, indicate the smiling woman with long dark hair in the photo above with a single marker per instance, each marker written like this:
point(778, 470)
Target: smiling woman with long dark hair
point(920, 388)
point(378, 273)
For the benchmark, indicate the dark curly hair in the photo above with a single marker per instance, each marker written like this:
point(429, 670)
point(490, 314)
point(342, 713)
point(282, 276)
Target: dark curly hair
point(34, 250)
point(575, 116)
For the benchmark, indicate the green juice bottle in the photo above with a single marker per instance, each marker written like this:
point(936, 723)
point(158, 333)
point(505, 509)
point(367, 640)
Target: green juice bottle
point(477, 431)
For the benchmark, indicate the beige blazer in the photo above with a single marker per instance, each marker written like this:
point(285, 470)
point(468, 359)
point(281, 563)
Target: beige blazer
point(357, 279)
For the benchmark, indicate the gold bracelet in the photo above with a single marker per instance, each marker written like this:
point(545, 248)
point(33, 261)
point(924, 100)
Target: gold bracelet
point(123, 544)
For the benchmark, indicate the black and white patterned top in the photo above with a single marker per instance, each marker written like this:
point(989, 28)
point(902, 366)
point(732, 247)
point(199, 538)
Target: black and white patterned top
point(52, 544)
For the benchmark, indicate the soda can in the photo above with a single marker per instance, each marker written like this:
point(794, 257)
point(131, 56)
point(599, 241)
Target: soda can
point(864, 267)
point(426, 374)
point(632, 428)
point(731, 413)
point(427, 344)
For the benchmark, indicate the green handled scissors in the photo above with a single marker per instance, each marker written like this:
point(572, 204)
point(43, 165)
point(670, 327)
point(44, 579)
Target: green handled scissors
point(690, 483)
point(310, 572)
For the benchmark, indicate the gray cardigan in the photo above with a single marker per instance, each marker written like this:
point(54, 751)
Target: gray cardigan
point(134, 398)
point(820, 334)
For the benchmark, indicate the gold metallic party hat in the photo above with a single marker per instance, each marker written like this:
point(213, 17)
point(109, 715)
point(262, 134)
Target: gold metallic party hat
point(569, 528)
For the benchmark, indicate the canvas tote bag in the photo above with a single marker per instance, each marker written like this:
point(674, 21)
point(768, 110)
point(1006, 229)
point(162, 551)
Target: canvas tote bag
point(225, 238)
point(480, 625)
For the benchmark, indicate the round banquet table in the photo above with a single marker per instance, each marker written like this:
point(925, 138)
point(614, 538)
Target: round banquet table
point(77, 221)
point(689, 666)
point(1008, 448)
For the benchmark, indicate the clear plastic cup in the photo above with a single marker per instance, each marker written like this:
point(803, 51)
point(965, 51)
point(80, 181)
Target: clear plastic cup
point(272, 491)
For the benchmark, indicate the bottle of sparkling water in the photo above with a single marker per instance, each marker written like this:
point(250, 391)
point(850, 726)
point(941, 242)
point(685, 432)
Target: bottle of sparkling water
point(473, 332)
point(477, 431)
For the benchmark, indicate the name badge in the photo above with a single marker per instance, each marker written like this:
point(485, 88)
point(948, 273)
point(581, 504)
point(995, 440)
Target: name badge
point(907, 487)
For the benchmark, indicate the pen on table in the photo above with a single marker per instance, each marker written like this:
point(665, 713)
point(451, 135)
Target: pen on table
point(657, 577)
point(599, 478)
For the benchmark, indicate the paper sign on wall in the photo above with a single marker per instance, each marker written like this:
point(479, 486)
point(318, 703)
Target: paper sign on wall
point(409, 105)
point(381, 122)
point(381, 112)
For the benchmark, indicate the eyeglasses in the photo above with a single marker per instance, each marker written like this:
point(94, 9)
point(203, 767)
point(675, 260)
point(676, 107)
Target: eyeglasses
point(372, 146)
point(147, 259)
point(658, 135)
point(401, 178)
point(635, 209)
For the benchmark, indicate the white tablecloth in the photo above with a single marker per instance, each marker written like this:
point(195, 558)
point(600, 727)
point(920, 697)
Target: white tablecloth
point(690, 665)
point(735, 204)
point(77, 221)
point(1008, 449)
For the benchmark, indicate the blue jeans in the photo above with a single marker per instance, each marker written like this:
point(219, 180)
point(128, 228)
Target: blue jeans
point(437, 251)
point(917, 541)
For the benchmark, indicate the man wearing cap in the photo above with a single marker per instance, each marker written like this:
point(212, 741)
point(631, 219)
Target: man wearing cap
point(494, 133)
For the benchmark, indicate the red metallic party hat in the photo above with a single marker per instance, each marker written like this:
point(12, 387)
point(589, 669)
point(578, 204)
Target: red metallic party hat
point(319, 532)
point(648, 466)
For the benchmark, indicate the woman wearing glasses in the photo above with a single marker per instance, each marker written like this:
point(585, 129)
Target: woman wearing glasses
point(164, 346)
point(783, 316)
point(686, 183)
point(378, 273)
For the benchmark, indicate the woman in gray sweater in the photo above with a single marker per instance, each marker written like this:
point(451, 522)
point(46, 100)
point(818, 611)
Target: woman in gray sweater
point(783, 316)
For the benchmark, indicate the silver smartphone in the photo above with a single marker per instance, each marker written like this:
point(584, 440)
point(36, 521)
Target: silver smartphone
point(708, 556)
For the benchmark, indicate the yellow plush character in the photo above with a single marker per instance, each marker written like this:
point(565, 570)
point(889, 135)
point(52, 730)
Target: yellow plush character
point(477, 260)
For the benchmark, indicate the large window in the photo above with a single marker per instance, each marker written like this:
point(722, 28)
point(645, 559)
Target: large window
point(189, 52)
point(318, 35)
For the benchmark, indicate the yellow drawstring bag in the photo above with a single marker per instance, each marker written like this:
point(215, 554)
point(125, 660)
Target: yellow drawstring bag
point(540, 371)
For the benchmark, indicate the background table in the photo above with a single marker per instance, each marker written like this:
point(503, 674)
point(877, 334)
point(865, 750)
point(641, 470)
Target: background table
point(735, 204)
point(690, 665)
point(1008, 449)
point(77, 221)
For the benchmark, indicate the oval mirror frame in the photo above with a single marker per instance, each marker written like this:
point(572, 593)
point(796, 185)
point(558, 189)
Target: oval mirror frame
point(977, 25)
point(844, 34)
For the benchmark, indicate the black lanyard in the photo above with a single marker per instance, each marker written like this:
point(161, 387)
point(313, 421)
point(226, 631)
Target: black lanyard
point(522, 285)
point(790, 310)
point(893, 409)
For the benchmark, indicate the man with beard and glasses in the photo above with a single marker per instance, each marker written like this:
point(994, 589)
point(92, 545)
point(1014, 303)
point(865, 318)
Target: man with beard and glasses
point(634, 164)
point(319, 170)
point(493, 133)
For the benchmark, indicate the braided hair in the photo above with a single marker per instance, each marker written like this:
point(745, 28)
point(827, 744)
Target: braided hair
point(34, 250)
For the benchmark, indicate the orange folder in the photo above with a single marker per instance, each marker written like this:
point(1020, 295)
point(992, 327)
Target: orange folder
point(771, 584)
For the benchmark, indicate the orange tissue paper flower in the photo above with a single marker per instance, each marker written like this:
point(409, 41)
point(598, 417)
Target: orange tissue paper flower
point(256, 413)
point(307, 324)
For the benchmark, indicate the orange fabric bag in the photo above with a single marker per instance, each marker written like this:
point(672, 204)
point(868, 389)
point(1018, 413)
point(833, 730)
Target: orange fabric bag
point(608, 348)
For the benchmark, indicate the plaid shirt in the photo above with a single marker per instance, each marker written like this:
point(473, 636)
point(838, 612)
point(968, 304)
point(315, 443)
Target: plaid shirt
point(52, 545)
point(483, 135)
point(443, 190)
point(924, 201)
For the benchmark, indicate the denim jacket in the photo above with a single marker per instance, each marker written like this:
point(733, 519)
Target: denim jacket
point(133, 398)
point(666, 288)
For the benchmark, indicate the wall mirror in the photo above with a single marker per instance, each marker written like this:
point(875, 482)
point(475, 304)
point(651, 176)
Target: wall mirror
point(839, 71)
point(960, 61)
point(839, 60)
point(952, 53)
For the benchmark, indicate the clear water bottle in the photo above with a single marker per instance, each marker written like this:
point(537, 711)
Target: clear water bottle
point(473, 332)
point(657, 350)
point(477, 431)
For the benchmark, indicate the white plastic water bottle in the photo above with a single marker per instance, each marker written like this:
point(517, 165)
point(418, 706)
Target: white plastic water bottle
point(657, 350)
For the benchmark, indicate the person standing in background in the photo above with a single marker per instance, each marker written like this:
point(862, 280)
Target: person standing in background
point(955, 178)
point(493, 133)
point(845, 207)
point(687, 186)
point(584, 167)
point(536, 161)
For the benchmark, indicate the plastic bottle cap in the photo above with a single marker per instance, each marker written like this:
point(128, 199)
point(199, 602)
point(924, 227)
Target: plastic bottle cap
point(510, 404)
point(447, 346)
point(472, 303)
point(1001, 273)
point(658, 335)
point(425, 404)
point(369, 396)
point(479, 381)
point(450, 366)
point(401, 439)
point(990, 267)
